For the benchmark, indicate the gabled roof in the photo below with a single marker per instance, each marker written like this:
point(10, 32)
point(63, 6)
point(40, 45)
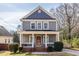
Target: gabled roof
point(4, 32)
point(38, 13)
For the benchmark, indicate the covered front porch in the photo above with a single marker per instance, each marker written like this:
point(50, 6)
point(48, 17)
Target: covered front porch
point(37, 39)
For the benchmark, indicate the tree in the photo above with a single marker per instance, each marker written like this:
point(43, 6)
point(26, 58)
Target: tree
point(67, 18)
point(15, 38)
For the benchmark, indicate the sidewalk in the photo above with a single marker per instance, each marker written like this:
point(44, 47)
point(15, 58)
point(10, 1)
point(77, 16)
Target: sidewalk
point(39, 52)
point(71, 51)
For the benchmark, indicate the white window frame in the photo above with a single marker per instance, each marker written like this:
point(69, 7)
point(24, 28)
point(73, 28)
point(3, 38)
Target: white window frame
point(47, 25)
point(41, 25)
point(31, 25)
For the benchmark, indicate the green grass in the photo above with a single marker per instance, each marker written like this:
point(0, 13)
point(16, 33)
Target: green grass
point(75, 48)
point(60, 54)
point(7, 53)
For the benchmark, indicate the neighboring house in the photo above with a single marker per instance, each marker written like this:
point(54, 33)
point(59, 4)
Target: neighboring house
point(39, 30)
point(5, 38)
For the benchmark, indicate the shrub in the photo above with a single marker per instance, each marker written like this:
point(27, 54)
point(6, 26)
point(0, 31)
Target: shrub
point(75, 43)
point(58, 46)
point(20, 49)
point(50, 49)
point(13, 47)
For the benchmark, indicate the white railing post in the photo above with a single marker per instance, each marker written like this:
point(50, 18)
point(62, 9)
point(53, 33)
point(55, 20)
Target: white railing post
point(32, 40)
point(57, 37)
point(29, 39)
point(46, 40)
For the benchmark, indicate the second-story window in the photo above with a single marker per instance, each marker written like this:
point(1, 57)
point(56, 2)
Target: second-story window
point(39, 25)
point(32, 25)
point(45, 25)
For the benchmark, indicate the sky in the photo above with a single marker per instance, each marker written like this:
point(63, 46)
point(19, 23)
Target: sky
point(11, 13)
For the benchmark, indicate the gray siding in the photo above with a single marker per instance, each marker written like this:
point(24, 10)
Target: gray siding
point(52, 25)
point(26, 25)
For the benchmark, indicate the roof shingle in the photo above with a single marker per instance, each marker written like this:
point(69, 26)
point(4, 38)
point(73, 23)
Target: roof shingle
point(39, 13)
point(4, 32)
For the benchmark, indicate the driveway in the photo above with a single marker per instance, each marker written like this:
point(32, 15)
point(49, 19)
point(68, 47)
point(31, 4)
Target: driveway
point(71, 51)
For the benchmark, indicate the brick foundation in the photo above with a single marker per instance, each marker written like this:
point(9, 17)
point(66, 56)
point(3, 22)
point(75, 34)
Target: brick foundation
point(35, 49)
point(3, 46)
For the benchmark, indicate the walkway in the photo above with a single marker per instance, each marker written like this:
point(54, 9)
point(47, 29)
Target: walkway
point(74, 52)
point(39, 52)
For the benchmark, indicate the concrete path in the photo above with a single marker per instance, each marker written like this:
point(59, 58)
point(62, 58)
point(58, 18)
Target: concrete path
point(74, 52)
point(39, 52)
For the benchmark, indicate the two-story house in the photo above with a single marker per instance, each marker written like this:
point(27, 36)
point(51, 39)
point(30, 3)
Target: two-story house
point(39, 30)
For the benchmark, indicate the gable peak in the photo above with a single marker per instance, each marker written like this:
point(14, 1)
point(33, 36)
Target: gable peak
point(38, 13)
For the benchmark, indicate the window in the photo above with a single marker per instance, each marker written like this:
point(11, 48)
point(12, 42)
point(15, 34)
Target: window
point(5, 40)
point(39, 25)
point(8, 41)
point(52, 38)
point(45, 25)
point(32, 25)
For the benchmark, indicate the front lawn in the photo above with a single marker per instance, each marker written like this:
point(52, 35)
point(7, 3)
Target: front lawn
point(75, 49)
point(7, 53)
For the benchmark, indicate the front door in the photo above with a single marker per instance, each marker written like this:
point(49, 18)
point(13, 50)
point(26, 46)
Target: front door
point(38, 41)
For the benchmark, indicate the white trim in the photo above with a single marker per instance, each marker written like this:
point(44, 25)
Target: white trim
point(20, 36)
point(37, 20)
point(57, 37)
point(30, 39)
point(56, 26)
point(38, 32)
point(47, 25)
point(37, 25)
point(33, 41)
point(31, 25)
point(46, 40)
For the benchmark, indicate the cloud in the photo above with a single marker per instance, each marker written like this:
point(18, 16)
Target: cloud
point(10, 20)
point(10, 7)
point(10, 13)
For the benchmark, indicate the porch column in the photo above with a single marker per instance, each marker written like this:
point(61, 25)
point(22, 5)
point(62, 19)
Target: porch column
point(57, 37)
point(46, 40)
point(20, 39)
point(32, 40)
